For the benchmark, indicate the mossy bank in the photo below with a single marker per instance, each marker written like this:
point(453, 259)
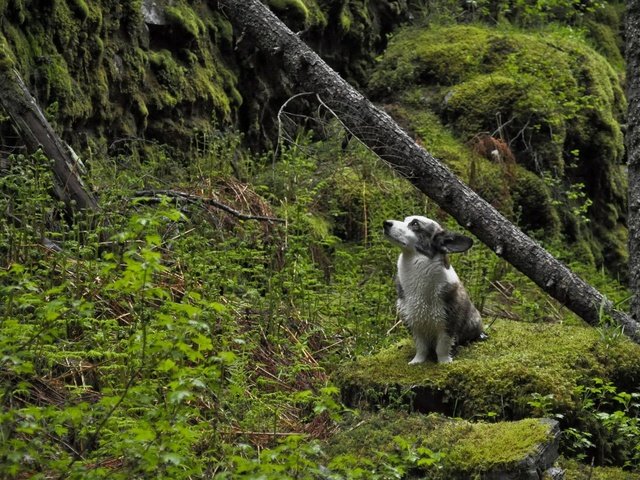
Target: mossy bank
point(542, 101)
point(497, 377)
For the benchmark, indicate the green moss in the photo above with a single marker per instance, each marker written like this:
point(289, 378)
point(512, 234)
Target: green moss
point(81, 8)
point(223, 30)
point(426, 126)
point(346, 18)
point(606, 42)
point(186, 18)
point(300, 13)
point(295, 5)
point(488, 446)
point(577, 471)
point(535, 84)
point(169, 73)
point(466, 448)
point(498, 375)
point(19, 10)
point(133, 71)
point(204, 87)
point(441, 55)
point(18, 46)
point(66, 28)
point(6, 57)
point(534, 205)
point(92, 60)
point(56, 82)
point(555, 100)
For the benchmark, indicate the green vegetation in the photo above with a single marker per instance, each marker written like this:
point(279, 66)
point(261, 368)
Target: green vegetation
point(436, 446)
point(96, 63)
point(186, 340)
point(577, 471)
point(169, 338)
point(555, 102)
point(496, 377)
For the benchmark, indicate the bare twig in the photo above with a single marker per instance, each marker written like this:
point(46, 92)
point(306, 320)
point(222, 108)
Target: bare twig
point(195, 199)
point(279, 117)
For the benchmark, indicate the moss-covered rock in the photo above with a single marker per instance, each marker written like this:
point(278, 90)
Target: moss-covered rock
point(99, 69)
point(519, 361)
point(299, 13)
point(555, 101)
point(447, 448)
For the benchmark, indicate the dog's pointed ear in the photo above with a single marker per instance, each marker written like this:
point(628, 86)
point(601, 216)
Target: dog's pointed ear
point(449, 242)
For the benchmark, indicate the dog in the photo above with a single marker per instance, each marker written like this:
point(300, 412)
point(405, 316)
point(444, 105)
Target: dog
point(432, 302)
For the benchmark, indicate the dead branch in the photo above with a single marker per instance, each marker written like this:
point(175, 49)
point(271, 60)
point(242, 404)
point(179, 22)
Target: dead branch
point(197, 200)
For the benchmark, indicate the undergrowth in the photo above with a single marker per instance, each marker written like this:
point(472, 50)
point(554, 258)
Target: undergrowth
point(170, 338)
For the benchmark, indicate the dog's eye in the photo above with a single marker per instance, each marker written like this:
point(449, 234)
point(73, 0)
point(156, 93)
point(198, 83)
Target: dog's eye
point(413, 223)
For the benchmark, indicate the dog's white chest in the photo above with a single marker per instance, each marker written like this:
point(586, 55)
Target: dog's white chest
point(421, 305)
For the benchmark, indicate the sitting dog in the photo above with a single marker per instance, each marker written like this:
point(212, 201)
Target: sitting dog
point(432, 301)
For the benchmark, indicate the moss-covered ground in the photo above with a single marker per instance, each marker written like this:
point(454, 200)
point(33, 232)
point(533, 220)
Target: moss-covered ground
point(578, 471)
point(464, 449)
point(497, 377)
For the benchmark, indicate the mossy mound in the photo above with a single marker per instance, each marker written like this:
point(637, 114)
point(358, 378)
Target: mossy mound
point(498, 377)
point(448, 448)
point(549, 88)
point(550, 97)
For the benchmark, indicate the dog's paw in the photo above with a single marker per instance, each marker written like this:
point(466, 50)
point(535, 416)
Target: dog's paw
point(417, 360)
point(446, 359)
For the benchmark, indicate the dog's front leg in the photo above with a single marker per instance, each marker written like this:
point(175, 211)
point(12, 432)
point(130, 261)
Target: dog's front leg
point(422, 349)
point(443, 348)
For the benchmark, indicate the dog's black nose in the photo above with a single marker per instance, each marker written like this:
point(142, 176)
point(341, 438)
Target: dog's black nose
point(387, 224)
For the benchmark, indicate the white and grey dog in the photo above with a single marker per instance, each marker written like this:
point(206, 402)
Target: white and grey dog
point(432, 301)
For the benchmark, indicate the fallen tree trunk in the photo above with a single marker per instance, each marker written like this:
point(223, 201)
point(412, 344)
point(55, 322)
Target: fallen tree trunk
point(36, 132)
point(632, 137)
point(308, 72)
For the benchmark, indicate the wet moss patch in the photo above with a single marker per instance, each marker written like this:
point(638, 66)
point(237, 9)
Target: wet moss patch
point(498, 377)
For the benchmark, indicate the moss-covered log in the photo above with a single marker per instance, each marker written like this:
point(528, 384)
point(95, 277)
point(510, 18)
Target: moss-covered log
point(37, 133)
point(376, 129)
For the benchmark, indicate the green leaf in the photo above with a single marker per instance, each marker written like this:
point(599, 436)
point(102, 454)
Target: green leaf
point(227, 357)
point(143, 434)
point(172, 458)
point(205, 344)
point(179, 396)
point(166, 365)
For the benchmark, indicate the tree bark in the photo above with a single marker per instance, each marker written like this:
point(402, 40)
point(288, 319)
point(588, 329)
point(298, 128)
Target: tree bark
point(632, 49)
point(36, 133)
point(308, 72)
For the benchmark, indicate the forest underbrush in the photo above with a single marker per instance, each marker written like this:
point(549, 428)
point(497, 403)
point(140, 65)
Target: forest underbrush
point(166, 337)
